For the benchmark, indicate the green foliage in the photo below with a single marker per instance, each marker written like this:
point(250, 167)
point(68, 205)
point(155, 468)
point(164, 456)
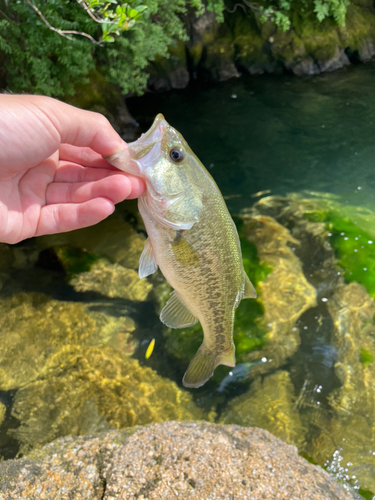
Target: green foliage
point(48, 47)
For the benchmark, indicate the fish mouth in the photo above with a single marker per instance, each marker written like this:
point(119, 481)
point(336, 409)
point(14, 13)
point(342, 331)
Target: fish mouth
point(153, 134)
point(128, 160)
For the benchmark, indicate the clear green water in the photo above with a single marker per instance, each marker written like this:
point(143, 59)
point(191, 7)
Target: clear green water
point(279, 133)
point(75, 362)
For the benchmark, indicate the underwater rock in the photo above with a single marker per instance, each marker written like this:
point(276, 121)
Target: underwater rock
point(2, 412)
point(89, 389)
point(269, 404)
point(347, 442)
point(169, 460)
point(285, 292)
point(112, 238)
point(112, 280)
point(36, 330)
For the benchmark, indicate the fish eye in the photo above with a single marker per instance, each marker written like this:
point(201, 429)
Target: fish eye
point(176, 155)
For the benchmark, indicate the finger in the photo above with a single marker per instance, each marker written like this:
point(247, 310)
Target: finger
point(83, 156)
point(83, 128)
point(71, 172)
point(61, 218)
point(116, 188)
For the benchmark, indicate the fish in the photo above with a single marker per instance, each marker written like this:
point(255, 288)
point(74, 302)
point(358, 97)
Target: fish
point(192, 239)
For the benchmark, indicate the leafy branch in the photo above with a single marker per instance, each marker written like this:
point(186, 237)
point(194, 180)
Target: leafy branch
point(112, 16)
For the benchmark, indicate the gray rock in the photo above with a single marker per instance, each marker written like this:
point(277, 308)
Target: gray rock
point(305, 66)
point(190, 460)
point(367, 51)
point(179, 78)
point(339, 60)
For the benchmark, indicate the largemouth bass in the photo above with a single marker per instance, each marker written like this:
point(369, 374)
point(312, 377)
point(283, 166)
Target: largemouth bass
point(193, 240)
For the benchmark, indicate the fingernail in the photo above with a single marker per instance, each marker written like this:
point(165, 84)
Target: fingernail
point(125, 145)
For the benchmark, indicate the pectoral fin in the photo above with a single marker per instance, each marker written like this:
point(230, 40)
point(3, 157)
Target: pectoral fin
point(176, 315)
point(147, 264)
point(249, 292)
point(183, 252)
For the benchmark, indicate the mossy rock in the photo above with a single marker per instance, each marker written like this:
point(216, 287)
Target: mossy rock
point(37, 330)
point(114, 238)
point(112, 280)
point(347, 439)
point(2, 412)
point(269, 404)
point(91, 388)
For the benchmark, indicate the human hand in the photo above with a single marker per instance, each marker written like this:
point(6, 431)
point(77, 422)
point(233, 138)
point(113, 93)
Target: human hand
point(52, 175)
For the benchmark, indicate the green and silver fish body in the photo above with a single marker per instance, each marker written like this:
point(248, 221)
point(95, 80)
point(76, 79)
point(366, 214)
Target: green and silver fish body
point(192, 238)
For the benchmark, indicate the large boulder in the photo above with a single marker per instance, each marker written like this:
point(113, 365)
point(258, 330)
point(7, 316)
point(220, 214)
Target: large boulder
point(169, 460)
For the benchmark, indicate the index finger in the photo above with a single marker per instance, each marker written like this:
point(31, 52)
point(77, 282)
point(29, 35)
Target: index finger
point(83, 156)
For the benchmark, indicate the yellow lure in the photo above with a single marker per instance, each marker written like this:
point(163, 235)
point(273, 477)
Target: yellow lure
point(150, 348)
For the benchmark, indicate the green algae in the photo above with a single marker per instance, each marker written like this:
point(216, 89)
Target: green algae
point(366, 357)
point(354, 247)
point(75, 260)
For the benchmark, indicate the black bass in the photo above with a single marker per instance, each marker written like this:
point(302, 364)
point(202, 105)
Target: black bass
point(193, 239)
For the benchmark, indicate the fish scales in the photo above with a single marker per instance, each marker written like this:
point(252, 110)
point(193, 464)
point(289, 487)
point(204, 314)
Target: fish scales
point(192, 238)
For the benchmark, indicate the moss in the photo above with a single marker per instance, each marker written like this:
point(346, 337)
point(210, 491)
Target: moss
point(366, 357)
point(96, 95)
point(75, 260)
point(354, 247)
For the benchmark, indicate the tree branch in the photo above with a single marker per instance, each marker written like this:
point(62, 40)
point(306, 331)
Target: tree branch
point(6, 17)
point(94, 18)
point(63, 33)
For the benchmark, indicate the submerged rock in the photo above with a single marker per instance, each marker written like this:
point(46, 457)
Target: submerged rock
point(37, 330)
point(347, 442)
point(2, 412)
point(270, 404)
point(285, 292)
point(94, 388)
point(112, 280)
point(169, 460)
point(114, 238)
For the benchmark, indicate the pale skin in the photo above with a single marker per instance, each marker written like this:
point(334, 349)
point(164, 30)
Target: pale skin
point(53, 178)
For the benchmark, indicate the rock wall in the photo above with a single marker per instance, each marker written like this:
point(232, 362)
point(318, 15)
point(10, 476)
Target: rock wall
point(217, 52)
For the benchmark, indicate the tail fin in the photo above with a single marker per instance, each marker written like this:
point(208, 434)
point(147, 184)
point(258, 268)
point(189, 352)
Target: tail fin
point(202, 366)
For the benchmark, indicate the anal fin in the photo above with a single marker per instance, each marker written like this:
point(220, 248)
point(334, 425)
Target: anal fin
point(176, 315)
point(147, 264)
